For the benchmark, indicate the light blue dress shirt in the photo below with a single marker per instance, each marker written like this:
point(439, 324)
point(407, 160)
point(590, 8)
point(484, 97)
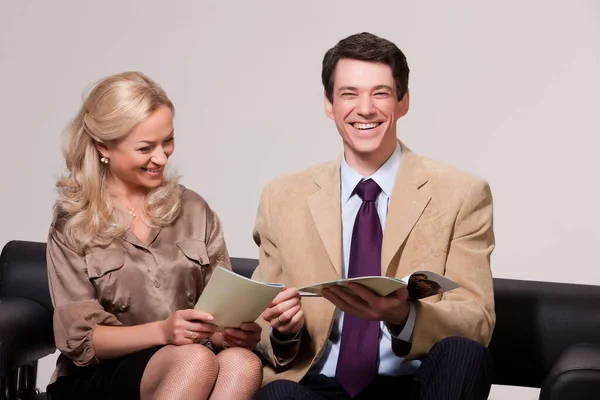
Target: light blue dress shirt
point(385, 177)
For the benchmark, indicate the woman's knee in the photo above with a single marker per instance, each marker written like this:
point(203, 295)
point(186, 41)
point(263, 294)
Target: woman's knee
point(180, 369)
point(243, 360)
point(190, 359)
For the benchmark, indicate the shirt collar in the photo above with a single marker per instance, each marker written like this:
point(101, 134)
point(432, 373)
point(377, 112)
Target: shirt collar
point(385, 176)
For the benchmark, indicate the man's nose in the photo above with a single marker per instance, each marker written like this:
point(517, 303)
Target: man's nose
point(366, 106)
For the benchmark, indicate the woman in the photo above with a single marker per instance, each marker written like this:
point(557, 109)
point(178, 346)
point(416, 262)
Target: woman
point(129, 253)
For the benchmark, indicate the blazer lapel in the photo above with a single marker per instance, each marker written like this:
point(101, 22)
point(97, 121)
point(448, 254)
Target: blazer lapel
point(409, 198)
point(325, 208)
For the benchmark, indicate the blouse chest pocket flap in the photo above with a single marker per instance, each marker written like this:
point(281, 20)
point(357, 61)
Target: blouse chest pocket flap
point(195, 250)
point(103, 270)
point(100, 263)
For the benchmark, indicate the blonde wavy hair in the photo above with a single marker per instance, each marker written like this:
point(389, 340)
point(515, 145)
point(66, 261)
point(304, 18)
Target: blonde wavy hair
point(83, 211)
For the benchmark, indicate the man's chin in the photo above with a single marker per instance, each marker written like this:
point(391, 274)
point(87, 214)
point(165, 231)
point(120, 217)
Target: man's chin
point(366, 146)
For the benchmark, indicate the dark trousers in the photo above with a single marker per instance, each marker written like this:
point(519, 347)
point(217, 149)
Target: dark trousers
point(455, 369)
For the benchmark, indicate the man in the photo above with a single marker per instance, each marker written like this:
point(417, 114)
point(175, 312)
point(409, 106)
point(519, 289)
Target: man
point(379, 209)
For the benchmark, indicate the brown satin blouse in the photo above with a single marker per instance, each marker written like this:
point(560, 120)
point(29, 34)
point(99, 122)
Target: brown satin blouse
point(131, 283)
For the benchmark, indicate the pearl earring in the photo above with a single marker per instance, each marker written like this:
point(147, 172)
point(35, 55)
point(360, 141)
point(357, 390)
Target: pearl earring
point(104, 160)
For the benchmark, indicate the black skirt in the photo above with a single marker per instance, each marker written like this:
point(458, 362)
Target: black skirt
point(119, 378)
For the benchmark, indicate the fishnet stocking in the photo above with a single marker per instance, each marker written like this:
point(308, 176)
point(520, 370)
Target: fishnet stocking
point(180, 373)
point(240, 375)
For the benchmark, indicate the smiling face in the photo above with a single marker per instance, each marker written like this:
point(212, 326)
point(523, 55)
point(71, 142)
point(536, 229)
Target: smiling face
point(365, 109)
point(137, 161)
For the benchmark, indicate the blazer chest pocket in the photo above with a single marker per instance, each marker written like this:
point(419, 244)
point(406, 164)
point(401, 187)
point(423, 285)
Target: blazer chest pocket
point(105, 271)
point(197, 268)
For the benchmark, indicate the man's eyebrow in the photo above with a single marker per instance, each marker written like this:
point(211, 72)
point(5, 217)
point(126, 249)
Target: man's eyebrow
point(379, 87)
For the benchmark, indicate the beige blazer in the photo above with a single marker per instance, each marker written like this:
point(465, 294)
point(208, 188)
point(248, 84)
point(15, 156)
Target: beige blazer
point(439, 219)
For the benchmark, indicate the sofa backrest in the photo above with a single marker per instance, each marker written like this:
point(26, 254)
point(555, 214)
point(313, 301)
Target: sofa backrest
point(536, 322)
point(23, 272)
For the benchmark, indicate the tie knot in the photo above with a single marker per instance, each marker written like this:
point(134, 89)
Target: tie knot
point(368, 190)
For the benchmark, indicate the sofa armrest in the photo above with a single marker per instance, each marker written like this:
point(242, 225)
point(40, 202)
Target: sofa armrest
point(576, 374)
point(26, 333)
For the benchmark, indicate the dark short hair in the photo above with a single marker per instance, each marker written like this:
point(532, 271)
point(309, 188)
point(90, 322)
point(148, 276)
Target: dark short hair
point(366, 47)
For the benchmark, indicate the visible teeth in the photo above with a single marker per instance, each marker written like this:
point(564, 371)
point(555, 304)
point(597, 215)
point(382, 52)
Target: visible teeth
point(153, 170)
point(365, 126)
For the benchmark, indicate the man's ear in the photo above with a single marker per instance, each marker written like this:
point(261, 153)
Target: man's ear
point(102, 149)
point(328, 106)
point(403, 105)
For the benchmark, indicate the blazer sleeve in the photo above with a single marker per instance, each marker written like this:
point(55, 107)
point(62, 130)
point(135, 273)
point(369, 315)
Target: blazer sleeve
point(469, 310)
point(269, 270)
point(77, 311)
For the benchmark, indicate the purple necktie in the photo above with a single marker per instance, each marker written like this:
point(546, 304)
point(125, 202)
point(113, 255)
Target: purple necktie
point(357, 362)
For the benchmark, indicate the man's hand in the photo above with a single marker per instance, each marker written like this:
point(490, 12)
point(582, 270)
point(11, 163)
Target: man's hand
point(361, 302)
point(285, 313)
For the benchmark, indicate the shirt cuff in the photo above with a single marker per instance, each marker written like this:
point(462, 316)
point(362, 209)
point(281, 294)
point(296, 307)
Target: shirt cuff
point(276, 341)
point(406, 333)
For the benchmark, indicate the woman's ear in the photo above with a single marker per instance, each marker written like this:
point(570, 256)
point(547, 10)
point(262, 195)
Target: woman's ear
point(102, 149)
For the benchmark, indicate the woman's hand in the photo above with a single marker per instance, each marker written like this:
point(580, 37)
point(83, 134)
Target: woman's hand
point(246, 336)
point(187, 326)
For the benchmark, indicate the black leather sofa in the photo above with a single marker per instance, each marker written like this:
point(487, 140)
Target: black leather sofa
point(547, 334)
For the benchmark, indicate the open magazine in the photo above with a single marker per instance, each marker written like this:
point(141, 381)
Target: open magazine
point(420, 284)
point(233, 299)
